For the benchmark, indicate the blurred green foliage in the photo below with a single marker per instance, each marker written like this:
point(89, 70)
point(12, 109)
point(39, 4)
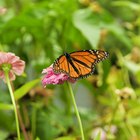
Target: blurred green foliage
point(38, 31)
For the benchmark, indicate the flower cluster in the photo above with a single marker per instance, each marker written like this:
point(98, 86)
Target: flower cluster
point(12, 63)
point(51, 77)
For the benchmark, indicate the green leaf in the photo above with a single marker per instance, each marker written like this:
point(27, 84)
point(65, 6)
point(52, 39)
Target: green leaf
point(129, 4)
point(91, 24)
point(22, 91)
point(6, 106)
point(132, 66)
point(82, 20)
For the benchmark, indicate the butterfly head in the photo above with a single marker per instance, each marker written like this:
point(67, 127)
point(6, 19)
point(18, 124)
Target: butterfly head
point(67, 56)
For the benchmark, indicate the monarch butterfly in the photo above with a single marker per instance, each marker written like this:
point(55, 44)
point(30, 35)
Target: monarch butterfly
point(78, 64)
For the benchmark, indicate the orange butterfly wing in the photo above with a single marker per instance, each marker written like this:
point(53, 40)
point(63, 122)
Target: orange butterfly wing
point(79, 64)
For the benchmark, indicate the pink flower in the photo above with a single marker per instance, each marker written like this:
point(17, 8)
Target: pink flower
point(55, 78)
point(12, 63)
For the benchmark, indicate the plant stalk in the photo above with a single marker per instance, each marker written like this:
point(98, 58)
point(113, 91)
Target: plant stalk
point(13, 102)
point(76, 111)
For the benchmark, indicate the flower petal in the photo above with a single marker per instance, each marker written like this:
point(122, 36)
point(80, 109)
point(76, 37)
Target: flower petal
point(3, 58)
point(54, 78)
point(16, 65)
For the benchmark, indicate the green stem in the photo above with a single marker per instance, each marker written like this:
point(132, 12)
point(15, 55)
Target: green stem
point(76, 111)
point(14, 103)
point(67, 101)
